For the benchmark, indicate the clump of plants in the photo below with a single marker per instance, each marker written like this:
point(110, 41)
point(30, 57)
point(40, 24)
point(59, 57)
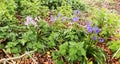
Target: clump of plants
point(69, 36)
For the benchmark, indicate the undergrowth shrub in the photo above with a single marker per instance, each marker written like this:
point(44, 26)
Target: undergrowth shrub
point(7, 12)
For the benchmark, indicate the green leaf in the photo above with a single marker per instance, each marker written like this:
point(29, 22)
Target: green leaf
point(15, 50)
point(8, 50)
point(23, 41)
point(39, 45)
point(30, 45)
point(63, 48)
point(59, 62)
point(11, 44)
point(72, 51)
point(1, 46)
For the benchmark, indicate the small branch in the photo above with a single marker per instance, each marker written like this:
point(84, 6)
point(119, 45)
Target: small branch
point(33, 59)
point(8, 56)
point(13, 58)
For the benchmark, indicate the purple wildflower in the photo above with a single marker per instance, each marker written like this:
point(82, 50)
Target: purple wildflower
point(95, 38)
point(88, 23)
point(75, 19)
point(52, 18)
point(101, 40)
point(96, 30)
point(27, 23)
point(90, 29)
point(29, 20)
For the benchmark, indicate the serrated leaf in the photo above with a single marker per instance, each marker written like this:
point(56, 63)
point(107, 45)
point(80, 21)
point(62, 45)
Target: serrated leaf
point(23, 41)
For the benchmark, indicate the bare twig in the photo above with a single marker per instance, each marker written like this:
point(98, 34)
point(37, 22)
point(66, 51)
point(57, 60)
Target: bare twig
point(13, 58)
point(8, 56)
point(33, 59)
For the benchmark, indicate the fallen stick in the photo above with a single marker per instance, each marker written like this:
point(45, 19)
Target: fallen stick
point(33, 59)
point(8, 56)
point(13, 58)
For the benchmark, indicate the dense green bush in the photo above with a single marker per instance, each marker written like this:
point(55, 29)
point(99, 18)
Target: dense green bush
point(54, 4)
point(7, 12)
point(51, 4)
point(69, 42)
point(77, 4)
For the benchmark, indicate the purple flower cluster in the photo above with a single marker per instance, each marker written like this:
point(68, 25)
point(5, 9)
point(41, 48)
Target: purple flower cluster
point(30, 20)
point(64, 18)
point(75, 19)
point(95, 38)
point(100, 39)
point(92, 29)
point(52, 18)
point(95, 30)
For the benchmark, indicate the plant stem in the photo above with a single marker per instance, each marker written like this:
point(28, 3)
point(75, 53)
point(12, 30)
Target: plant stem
point(116, 53)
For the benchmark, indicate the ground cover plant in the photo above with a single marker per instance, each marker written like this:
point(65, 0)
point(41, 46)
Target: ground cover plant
point(58, 32)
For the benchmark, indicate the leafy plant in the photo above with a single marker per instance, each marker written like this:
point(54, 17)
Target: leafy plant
point(7, 12)
point(106, 20)
point(114, 46)
point(77, 4)
point(51, 4)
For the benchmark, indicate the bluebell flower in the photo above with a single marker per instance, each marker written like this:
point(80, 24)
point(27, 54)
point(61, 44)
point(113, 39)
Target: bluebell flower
point(88, 23)
point(97, 30)
point(101, 40)
point(90, 29)
point(52, 18)
point(95, 38)
point(75, 19)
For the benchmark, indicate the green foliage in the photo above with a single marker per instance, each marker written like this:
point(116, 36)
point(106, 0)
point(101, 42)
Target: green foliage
point(28, 7)
point(7, 12)
point(65, 10)
point(77, 4)
point(96, 54)
point(106, 20)
point(54, 4)
point(114, 46)
point(51, 4)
